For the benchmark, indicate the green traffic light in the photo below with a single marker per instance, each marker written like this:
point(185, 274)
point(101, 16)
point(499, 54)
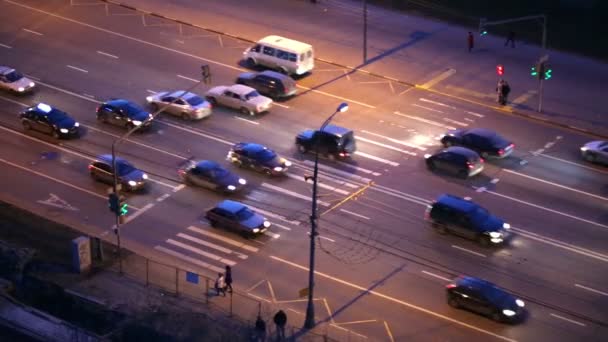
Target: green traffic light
point(124, 209)
point(533, 71)
point(484, 32)
point(548, 74)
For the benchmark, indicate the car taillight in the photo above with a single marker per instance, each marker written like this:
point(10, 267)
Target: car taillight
point(470, 165)
point(481, 160)
point(450, 286)
point(501, 152)
point(90, 167)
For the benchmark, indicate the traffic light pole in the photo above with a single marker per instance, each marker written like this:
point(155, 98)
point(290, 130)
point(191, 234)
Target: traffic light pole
point(205, 77)
point(364, 31)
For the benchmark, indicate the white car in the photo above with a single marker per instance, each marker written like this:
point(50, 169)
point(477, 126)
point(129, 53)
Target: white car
point(188, 106)
point(241, 97)
point(13, 80)
point(596, 151)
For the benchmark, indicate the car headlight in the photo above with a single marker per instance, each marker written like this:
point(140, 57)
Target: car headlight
point(231, 187)
point(20, 89)
point(136, 122)
point(77, 125)
point(63, 130)
point(242, 181)
point(506, 226)
point(278, 169)
point(149, 99)
point(427, 156)
point(442, 136)
point(520, 303)
point(256, 230)
point(132, 183)
point(584, 148)
point(144, 176)
point(495, 235)
point(266, 224)
point(32, 84)
point(287, 163)
point(508, 312)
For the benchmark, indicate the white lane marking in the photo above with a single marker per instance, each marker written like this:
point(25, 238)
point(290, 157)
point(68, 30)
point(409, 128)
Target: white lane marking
point(430, 122)
point(395, 140)
point(402, 195)
point(475, 114)
point(547, 209)
point(271, 234)
point(32, 31)
point(77, 68)
point(335, 96)
point(280, 105)
point(468, 251)
point(562, 245)
point(200, 252)
point(358, 168)
point(212, 245)
point(322, 237)
point(393, 299)
point(481, 189)
point(592, 289)
point(189, 78)
point(161, 183)
point(88, 95)
point(247, 121)
point(55, 201)
point(292, 193)
point(354, 214)
point(274, 224)
point(163, 197)
point(427, 108)
point(436, 276)
point(107, 54)
point(324, 176)
point(179, 187)
point(6, 46)
point(223, 238)
point(378, 159)
point(69, 92)
point(455, 122)
point(436, 103)
point(139, 212)
point(386, 146)
point(151, 91)
point(469, 120)
point(447, 73)
point(495, 180)
point(557, 185)
point(337, 171)
point(572, 163)
point(319, 184)
point(273, 215)
point(226, 142)
point(189, 259)
point(569, 320)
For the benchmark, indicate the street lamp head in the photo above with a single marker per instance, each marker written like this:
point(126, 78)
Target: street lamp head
point(343, 107)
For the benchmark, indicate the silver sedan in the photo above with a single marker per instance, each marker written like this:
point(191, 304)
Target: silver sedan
point(596, 151)
point(188, 106)
point(241, 97)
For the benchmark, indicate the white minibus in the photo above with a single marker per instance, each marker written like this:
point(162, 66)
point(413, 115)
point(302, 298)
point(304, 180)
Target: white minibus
point(283, 54)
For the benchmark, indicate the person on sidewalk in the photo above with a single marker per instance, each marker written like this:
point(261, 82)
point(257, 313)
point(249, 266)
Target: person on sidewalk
point(470, 41)
point(260, 329)
point(502, 91)
point(511, 38)
point(220, 284)
point(228, 279)
point(280, 319)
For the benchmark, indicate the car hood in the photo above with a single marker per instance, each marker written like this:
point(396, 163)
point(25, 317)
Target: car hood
point(307, 134)
point(67, 122)
point(23, 82)
point(456, 132)
point(491, 224)
point(594, 145)
point(507, 301)
point(140, 116)
point(135, 175)
point(260, 101)
point(246, 75)
point(254, 221)
point(216, 90)
point(228, 179)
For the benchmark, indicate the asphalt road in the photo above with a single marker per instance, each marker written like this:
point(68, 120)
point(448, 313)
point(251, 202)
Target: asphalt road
point(379, 242)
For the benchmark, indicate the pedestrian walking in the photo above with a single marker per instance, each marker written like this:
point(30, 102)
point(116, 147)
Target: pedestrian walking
point(228, 279)
point(470, 41)
point(280, 319)
point(511, 38)
point(220, 284)
point(260, 330)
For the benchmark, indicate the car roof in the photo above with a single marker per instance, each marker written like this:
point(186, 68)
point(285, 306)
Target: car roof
point(252, 147)
point(456, 202)
point(107, 158)
point(473, 282)
point(336, 130)
point(282, 41)
point(462, 151)
point(207, 164)
point(274, 74)
point(240, 89)
point(185, 96)
point(6, 70)
point(118, 102)
point(231, 206)
point(484, 132)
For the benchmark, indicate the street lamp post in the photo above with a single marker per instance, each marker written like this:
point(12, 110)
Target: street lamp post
point(309, 322)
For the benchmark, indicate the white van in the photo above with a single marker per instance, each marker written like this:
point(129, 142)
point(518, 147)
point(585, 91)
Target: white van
point(283, 54)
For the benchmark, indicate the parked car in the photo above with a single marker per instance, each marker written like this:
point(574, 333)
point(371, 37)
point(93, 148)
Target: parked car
point(333, 141)
point(187, 106)
point(241, 97)
point(238, 217)
point(484, 141)
point(596, 151)
point(124, 113)
point(46, 119)
point(259, 158)
point(211, 175)
point(484, 298)
point(465, 218)
point(129, 177)
point(13, 81)
point(455, 160)
point(270, 83)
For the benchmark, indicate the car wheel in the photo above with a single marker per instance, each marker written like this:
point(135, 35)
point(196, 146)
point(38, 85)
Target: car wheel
point(246, 111)
point(283, 71)
point(212, 223)
point(102, 118)
point(463, 174)
point(496, 316)
point(186, 116)
point(130, 126)
point(484, 240)
point(212, 100)
point(453, 302)
point(441, 229)
point(27, 126)
point(589, 157)
point(447, 143)
point(251, 62)
point(267, 172)
point(302, 149)
point(484, 155)
point(94, 176)
point(431, 165)
point(154, 107)
point(55, 134)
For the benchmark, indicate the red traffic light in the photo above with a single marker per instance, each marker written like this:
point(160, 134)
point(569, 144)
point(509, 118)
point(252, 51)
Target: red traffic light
point(500, 70)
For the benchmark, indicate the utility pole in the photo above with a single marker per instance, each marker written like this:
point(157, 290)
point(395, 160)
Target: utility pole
point(364, 31)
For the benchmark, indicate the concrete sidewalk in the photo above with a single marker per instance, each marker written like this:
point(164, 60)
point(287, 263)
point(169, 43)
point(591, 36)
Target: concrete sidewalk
point(412, 50)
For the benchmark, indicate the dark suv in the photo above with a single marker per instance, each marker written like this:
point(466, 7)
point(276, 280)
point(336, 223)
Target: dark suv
point(123, 113)
point(334, 142)
point(452, 214)
point(269, 83)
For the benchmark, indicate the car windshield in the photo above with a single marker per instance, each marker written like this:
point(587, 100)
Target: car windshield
point(132, 109)
point(13, 76)
point(56, 115)
point(493, 293)
point(124, 168)
point(251, 95)
point(479, 215)
point(218, 172)
point(265, 155)
point(195, 100)
point(498, 141)
point(244, 214)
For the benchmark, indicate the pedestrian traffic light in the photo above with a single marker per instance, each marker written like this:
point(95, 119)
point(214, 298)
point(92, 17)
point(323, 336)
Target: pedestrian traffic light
point(113, 203)
point(123, 207)
point(534, 71)
point(500, 70)
point(547, 73)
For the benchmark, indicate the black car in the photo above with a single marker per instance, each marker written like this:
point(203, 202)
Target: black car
point(269, 83)
point(237, 216)
point(123, 113)
point(129, 177)
point(211, 175)
point(452, 214)
point(485, 298)
point(333, 141)
point(49, 120)
point(455, 160)
point(259, 158)
point(485, 141)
